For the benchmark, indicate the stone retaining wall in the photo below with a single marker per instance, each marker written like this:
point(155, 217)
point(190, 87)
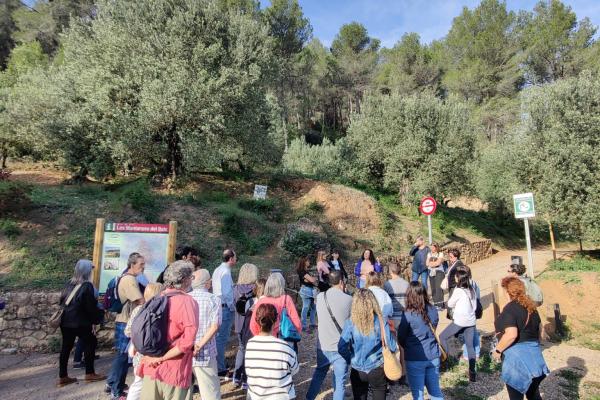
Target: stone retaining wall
point(24, 326)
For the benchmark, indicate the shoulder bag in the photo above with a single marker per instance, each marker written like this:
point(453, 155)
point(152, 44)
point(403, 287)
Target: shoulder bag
point(443, 354)
point(445, 284)
point(56, 318)
point(287, 330)
point(337, 326)
point(391, 361)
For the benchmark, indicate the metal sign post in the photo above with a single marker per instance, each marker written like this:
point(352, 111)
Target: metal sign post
point(525, 209)
point(427, 207)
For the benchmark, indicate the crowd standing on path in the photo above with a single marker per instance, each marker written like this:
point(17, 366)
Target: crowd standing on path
point(384, 332)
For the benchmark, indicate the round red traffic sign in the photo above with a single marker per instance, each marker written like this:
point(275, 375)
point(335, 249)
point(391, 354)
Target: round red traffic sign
point(428, 206)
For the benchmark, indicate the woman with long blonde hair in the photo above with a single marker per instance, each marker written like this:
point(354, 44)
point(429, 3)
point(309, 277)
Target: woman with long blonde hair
point(519, 329)
point(361, 345)
point(243, 292)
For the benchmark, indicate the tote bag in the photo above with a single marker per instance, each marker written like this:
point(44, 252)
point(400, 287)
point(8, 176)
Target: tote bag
point(287, 330)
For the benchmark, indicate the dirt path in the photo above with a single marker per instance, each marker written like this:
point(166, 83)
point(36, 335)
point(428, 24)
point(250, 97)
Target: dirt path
point(575, 371)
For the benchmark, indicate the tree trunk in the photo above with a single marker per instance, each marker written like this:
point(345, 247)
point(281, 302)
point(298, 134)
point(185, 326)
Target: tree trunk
point(174, 156)
point(4, 156)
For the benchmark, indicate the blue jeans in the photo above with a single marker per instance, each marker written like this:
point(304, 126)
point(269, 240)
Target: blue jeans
point(223, 337)
point(423, 275)
point(118, 374)
point(120, 365)
point(424, 374)
point(340, 374)
point(308, 305)
point(476, 344)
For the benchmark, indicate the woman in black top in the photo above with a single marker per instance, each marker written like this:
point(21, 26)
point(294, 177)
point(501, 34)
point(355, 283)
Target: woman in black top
point(308, 286)
point(518, 327)
point(78, 319)
point(335, 263)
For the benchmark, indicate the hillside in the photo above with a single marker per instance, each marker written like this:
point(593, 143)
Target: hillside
point(40, 241)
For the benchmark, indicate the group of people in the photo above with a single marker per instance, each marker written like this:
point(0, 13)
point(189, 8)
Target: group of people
point(385, 313)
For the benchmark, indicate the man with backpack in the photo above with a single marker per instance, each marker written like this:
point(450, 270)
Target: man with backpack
point(333, 309)
point(128, 296)
point(166, 368)
point(223, 288)
point(204, 362)
point(532, 289)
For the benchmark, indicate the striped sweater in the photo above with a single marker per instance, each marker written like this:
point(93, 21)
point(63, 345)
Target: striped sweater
point(270, 364)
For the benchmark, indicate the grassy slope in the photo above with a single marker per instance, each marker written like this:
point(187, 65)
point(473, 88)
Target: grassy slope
point(41, 245)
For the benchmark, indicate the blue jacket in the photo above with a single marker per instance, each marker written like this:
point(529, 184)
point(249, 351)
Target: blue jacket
point(357, 268)
point(416, 337)
point(364, 353)
point(522, 362)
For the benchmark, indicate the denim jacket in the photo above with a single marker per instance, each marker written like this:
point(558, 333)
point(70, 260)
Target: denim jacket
point(364, 353)
point(522, 362)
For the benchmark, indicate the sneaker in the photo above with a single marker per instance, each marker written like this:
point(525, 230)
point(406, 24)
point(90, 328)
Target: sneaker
point(244, 386)
point(224, 375)
point(122, 396)
point(79, 365)
point(65, 381)
point(107, 388)
point(94, 377)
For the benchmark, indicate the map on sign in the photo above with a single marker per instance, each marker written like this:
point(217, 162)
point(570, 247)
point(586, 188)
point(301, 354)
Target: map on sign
point(120, 240)
point(524, 206)
point(260, 192)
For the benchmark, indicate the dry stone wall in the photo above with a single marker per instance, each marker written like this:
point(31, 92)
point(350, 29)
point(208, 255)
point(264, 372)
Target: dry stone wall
point(24, 322)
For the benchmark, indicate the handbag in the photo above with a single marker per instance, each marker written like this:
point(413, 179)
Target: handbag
point(391, 361)
point(337, 326)
point(443, 354)
point(56, 318)
point(287, 330)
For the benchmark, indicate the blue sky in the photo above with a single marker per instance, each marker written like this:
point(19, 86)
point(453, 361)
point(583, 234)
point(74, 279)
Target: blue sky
point(388, 20)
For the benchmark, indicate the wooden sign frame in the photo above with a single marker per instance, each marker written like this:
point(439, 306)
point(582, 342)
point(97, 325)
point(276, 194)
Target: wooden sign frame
point(99, 244)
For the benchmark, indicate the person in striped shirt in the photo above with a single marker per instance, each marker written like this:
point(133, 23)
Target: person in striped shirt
point(270, 362)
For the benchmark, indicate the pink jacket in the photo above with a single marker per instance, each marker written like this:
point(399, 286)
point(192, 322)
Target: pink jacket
point(183, 324)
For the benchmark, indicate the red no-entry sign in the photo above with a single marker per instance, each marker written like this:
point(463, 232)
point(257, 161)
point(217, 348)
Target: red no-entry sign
point(427, 206)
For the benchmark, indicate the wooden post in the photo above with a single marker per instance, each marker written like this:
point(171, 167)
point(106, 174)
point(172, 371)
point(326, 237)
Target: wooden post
point(172, 241)
point(97, 255)
point(558, 323)
point(552, 243)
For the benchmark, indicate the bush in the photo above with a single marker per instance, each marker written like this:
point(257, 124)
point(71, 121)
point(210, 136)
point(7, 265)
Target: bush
point(300, 243)
point(311, 210)
point(141, 199)
point(320, 161)
point(9, 228)
point(251, 234)
point(14, 196)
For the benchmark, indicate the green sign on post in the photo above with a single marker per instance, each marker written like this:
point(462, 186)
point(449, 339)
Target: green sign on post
point(524, 207)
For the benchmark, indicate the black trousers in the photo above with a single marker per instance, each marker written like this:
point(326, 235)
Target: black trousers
point(361, 381)
point(533, 393)
point(68, 340)
point(436, 288)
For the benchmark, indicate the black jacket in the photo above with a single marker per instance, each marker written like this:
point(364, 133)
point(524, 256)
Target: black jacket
point(83, 309)
point(344, 273)
point(452, 274)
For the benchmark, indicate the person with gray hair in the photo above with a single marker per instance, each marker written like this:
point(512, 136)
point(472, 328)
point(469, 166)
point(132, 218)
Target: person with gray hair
point(80, 314)
point(204, 362)
point(169, 377)
point(275, 294)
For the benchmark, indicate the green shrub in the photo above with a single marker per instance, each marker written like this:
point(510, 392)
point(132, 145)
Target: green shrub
point(9, 228)
point(300, 243)
point(319, 161)
point(14, 196)
point(203, 198)
point(578, 263)
point(251, 234)
point(311, 210)
point(139, 195)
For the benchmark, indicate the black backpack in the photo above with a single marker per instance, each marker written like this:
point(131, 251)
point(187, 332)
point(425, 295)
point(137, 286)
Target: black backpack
point(150, 326)
point(240, 304)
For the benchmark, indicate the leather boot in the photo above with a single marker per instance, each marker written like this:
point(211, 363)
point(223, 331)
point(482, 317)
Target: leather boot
point(472, 373)
point(94, 377)
point(65, 381)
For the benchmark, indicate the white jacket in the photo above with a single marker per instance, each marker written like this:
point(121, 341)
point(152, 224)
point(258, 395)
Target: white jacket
point(464, 303)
